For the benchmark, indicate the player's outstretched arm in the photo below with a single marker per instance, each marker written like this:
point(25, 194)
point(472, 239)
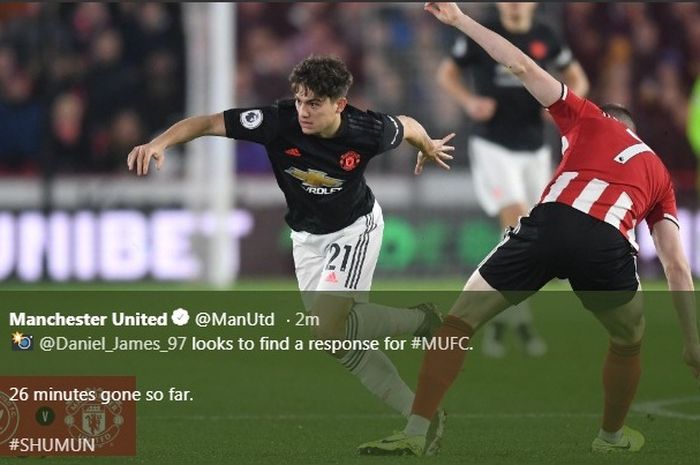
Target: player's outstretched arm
point(542, 85)
point(179, 133)
point(667, 241)
point(428, 149)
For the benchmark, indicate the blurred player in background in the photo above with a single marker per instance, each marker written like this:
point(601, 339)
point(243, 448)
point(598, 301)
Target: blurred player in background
point(510, 161)
point(319, 147)
point(582, 230)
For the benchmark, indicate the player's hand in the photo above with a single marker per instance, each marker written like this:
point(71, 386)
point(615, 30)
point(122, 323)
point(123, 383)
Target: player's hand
point(480, 109)
point(437, 153)
point(691, 357)
point(448, 13)
point(140, 158)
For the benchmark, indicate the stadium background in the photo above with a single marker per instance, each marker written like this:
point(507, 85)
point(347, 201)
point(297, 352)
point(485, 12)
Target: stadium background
point(81, 84)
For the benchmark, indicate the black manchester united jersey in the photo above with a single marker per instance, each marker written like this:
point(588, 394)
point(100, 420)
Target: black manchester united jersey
point(322, 179)
point(517, 123)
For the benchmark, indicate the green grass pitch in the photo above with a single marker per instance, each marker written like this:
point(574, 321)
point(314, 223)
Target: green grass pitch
point(303, 408)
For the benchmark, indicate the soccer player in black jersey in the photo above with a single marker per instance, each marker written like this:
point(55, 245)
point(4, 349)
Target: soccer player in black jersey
point(319, 147)
point(510, 162)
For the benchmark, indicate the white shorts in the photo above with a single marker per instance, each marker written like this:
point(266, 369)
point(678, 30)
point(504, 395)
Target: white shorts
point(504, 177)
point(340, 261)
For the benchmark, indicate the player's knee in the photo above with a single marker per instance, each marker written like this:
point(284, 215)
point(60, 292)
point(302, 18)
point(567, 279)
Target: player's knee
point(328, 332)
point(331, 317)
point(637, 330)
point(471, 316)
point(475, 306)
point(630, 331)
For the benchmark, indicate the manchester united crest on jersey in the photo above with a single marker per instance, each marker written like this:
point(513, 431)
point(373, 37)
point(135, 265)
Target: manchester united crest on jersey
point(350, 160)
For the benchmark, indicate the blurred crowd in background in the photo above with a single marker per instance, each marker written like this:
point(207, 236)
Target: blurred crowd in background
point(647, 57)
point(80, 84)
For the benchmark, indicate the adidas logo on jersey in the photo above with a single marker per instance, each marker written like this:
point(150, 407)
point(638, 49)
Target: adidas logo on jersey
point(331, 278)
point(293, 152)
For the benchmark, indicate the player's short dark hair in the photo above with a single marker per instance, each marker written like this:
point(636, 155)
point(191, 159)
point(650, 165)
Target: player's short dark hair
point(325, 76)
point(620, 113)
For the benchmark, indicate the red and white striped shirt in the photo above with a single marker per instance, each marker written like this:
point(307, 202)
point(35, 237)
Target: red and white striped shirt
point(606, 170)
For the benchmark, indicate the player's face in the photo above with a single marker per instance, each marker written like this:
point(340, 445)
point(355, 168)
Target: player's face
point(516, 15)
point(318, 116)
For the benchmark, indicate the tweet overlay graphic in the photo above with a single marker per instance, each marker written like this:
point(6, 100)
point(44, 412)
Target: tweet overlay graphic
point(67, 415)
point(256, 378)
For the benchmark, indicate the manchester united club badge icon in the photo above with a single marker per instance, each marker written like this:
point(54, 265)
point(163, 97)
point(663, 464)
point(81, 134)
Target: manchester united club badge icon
point(349, 160)
point(94, 420)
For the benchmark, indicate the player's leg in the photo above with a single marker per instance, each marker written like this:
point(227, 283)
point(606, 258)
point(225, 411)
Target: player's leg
point(346, 277)
point(475, 306)
point(310, 258)
point(621, 374)
point(316, 261)
point(605, 279)
point(368, 320)
point(314, 257)
point(514, 270)
point(440, 368)
point(514, 264)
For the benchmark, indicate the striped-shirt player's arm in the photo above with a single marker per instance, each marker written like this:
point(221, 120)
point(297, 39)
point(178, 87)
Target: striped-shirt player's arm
point(669, 248)
point(665, 208)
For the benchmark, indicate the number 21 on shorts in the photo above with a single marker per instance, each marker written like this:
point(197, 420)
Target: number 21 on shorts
point(339, 256)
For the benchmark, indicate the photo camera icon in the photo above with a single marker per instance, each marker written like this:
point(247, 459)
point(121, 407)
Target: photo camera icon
point(22, 342)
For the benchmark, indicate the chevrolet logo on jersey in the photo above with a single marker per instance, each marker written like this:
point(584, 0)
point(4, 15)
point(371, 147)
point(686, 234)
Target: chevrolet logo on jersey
point(316, 182)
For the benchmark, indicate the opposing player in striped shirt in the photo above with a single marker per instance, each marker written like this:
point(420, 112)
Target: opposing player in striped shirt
point(582, 230)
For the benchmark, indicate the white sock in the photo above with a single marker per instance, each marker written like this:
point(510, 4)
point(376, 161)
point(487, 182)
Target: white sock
point(374, 321)
point(379, 375)
point(416, 426)
point(610, 437)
